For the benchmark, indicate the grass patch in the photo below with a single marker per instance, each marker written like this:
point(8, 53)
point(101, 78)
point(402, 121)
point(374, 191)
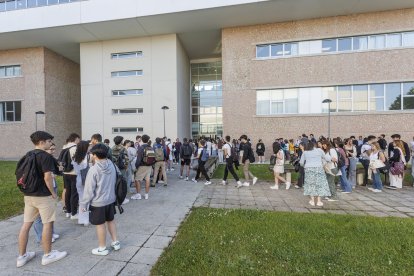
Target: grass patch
point(11, 202)
point(250, 242)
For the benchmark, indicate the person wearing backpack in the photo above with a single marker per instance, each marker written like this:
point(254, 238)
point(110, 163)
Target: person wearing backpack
point(160, 157)
point(97, 139)
point(99, 198)
point(34, 175)
point(145, 161)
point(247, 158)
point(364, 156)
point(69, 176)
point(81, 165)
point(343, 164)
point(230, 155)
point(185, 154)
point(260, 150)
point(202, 156)
point(120, 156)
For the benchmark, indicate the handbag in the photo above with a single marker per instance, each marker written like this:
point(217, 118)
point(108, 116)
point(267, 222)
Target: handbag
point(272, 160)
point(397, 168)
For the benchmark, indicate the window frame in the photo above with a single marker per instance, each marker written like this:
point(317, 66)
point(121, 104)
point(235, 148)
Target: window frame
point(117, 130)
point(127, 55)
point(12, 111)
point(116, 74)
point(139, 92)
point(117, 111)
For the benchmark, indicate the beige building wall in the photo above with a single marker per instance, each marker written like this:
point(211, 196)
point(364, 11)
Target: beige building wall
point(163, 64)
point(48, 83)
point(183, 92)
point(243, 75)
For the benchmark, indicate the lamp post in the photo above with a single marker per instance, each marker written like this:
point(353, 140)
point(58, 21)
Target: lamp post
point(39, 113)
point(163, 110)
point(328, 101)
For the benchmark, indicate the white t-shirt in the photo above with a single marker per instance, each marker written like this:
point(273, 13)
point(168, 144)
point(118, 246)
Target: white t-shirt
point(199, 151)
point(364, 149)
point(227, 148)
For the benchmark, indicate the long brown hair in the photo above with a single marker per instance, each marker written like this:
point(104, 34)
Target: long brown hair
point(400, 145)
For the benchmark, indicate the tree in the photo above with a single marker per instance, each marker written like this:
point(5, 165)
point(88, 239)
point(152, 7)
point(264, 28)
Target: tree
point(408, 102)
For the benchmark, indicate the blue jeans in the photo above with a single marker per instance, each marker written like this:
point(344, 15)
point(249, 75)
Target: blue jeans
point(352, 171)
point(377, 180)
point(345, 184)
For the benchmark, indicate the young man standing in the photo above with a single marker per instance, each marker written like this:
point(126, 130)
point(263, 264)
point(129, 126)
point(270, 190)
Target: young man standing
point(97, 139)
point(246, 157)
point(99, 195)
point(41, 201)
point(365, 156)
point(143, 172)
point(69, 180)
point(397, 137)
point(227, 153)
point(185, 154)
point(160, 157)
point(170, 153)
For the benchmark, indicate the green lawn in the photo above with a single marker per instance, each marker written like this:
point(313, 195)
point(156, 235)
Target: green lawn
point(11, 202)
point(250, 242)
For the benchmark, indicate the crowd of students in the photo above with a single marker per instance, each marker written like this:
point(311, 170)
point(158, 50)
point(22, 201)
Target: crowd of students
point(90, 168)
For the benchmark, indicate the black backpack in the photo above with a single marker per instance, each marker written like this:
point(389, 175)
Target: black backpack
point(121, 189)
point(250, 156)
point(234, 154)
point(341, 159)
point(65, 159)
point(120, 158)
point(27, 174)
point(187, 151)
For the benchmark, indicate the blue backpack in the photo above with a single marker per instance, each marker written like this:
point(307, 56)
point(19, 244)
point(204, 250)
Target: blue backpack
point(204, 155)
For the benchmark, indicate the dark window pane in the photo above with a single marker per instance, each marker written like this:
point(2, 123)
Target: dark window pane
point(9, 106)
point(18, 111)
point(408, 88)
point(9, 117)
point(345, 44)
point(408, 103)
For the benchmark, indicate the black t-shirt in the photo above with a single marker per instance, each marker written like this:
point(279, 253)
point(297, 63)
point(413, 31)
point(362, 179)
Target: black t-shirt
point(45, 163)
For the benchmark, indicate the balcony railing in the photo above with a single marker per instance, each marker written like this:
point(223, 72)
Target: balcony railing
point(11, 5)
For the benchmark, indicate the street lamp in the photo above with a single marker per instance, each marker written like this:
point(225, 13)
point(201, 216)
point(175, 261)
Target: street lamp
point(328, 101)
point(163, 110)
point(39, 113)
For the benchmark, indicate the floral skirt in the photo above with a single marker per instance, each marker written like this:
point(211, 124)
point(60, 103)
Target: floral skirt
point(315, 183)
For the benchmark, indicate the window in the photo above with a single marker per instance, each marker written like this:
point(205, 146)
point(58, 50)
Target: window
point(262, 51)
point(409, 39)
point(376, 92)
point(345, 44)
point(290, 49)
point(131, 73)
point(408, 93)
point(126, 55)
point(344, 98)
point(393, 96)
point(360, 43)
point(328, 45)
point(127, 129)
point(10, 71)
point(376, 42)
point(127, 111)
point(10, 5)
point(276, 50)
point(41, 3)
point(128, 92)
point(277, 101)
point(22, 4)
point(360, 98)
point(10, 112)
point(394, 40)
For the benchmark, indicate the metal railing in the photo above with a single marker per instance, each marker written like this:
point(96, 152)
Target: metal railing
point(12, 5)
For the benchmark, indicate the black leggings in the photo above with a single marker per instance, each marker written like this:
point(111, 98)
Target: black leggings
point(201, 169)
point(71, 196)
point(229, 168)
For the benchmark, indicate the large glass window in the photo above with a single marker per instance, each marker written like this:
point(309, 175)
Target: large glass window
point(276, 50)
point(408, 92)
point(10, 71)
point(344, 98)
point(10, 111)
point(393, 96)
point(128, 92)
point(377, 97)
point(376, 42)
point(131, 73)
point(126, 55)
point(360, 43)
point(328, 45)
point(10, 5)
point(394, 40)
point(290, 49)
point(360, 97)
point(345, 44)
point(263, 99)
point(409, 39)
point(127, 111)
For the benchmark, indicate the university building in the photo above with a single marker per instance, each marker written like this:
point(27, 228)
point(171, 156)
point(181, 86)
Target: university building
point(261, 68)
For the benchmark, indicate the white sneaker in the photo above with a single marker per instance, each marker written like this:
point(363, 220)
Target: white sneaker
point(186, 179)
point(146, 196)
point(254, 180)
point(74, 217)
point(181, 177)
point(312, 203)
point(100, 252)
point(68, 215)
point(288, 185)
point(246, 184)
point(195, 181)
point(224, 182)
point(207, 183)
point(136, 196)
point(239, 184)
point(332, 200)
point(116, 245)
point(126, 200)
point(55, 237)
point(172, 169)
point(371, 189)
point(22, 260)
point(346, 192)
point(320, 204)
point(53, 256)
point(376, 191)
point(274, 187)
point(160, 182)
point(297, 187)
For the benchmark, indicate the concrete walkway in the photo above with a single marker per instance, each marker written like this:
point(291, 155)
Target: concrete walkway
point(144, 229)
point(396, 203)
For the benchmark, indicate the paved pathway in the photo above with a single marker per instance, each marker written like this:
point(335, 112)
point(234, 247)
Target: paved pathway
point(145, 228)
point(396, 203)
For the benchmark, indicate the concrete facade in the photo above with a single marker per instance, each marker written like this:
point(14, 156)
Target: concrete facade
point(165, 82)
point(48, 83)
point(243, 74)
